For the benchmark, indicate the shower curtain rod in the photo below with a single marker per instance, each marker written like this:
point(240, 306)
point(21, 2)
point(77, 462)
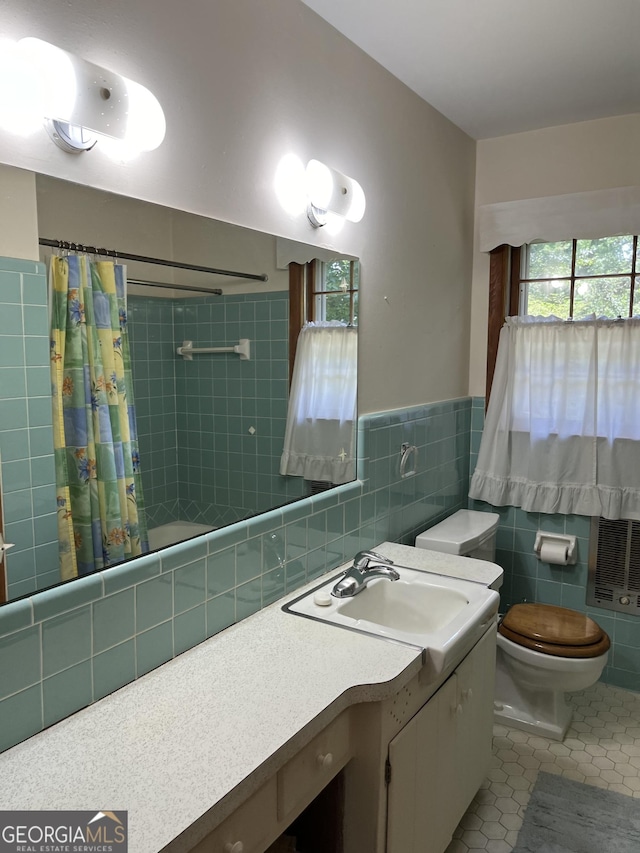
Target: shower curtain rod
point(215, 291)
point(113, 253)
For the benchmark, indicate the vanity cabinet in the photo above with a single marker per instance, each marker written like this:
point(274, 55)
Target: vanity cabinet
point(439, 759)
point(437, 747)
point(257, 823)
point(250, 829)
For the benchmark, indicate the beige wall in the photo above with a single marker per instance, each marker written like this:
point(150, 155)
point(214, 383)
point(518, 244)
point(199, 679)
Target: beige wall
point(572, 158)
point(18, 225)
point(243, 83)
point(70, 211)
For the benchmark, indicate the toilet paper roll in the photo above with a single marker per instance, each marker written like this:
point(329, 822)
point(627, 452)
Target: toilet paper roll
point(554, 553)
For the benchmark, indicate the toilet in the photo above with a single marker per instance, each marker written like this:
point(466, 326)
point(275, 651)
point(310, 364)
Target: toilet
point(543, 651)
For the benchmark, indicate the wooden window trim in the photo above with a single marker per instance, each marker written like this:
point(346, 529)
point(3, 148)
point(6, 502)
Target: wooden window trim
point(504, 298)
point(301, 284)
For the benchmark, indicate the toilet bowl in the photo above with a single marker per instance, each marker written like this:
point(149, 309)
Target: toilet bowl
point(544, 652)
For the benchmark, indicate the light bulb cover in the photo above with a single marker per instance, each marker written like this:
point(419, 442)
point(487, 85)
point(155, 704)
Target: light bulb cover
point(289, 184)
point(80, 94)
point(330, 191)
point(20, 92)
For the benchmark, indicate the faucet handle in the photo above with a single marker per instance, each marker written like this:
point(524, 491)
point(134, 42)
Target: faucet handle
point(361, 559)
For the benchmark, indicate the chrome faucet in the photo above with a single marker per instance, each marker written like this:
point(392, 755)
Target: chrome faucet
point(361, 572)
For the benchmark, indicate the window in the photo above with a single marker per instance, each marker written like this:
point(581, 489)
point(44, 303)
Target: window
point(319, 440)
point(321, 290)
point(576, 278)
point(573, 278)
point(333, 292)
point(563, 420)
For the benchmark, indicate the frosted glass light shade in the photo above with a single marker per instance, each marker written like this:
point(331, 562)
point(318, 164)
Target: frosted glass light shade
point(20, 92)
point(290, 185)
point(331, 191)
point(85, 95)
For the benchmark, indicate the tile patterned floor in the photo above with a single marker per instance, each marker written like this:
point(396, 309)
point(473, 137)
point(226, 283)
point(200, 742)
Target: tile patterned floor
point(602, 748)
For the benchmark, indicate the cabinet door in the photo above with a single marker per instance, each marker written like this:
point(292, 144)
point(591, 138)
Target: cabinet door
point(419, 802)
point(441, 757)
point(474, 721)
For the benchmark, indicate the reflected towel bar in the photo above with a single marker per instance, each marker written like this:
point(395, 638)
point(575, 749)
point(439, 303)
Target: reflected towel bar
point(242, 348)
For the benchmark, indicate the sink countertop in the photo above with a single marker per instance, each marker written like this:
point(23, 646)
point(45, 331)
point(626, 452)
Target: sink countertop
point(182, 747)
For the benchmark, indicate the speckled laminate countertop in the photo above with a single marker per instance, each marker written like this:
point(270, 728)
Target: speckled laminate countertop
point(182, 747)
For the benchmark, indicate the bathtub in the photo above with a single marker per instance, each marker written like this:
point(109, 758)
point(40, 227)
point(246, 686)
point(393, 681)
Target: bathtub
point(175, 531)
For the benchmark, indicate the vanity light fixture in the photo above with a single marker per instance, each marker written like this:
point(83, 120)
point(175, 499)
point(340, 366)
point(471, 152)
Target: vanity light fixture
point(327, 196)
point(332, 194)
point(81, 102)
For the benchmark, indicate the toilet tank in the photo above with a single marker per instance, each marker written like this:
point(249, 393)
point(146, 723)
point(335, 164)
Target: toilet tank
point(468, 533)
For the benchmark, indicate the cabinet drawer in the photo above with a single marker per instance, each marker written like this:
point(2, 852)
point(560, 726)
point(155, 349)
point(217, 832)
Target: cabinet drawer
point(250, 829)
point(313, 767)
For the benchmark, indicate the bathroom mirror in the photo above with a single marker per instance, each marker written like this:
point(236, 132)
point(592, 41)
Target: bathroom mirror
point(210, 427)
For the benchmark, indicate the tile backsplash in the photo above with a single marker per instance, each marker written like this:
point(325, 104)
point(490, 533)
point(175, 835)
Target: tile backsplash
point(71, 645)
point(211, 430)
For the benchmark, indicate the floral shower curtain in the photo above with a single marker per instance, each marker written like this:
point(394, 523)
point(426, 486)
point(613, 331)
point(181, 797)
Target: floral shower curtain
point(98, 486)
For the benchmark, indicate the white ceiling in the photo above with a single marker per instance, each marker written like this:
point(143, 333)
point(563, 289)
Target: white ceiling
point(495, 67)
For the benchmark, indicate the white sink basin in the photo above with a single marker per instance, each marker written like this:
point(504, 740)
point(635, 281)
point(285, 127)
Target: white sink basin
point(405, 606)
point(445, 616)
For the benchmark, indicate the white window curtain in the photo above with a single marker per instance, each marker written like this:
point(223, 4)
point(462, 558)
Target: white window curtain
point(562, 431)
point(319, 442)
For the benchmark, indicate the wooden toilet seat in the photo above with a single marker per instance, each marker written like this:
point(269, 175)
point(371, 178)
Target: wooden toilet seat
point(554, 631)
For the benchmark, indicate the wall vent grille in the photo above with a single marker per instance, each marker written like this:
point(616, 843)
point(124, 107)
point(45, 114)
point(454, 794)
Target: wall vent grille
point(614, 565)
point(319, 486)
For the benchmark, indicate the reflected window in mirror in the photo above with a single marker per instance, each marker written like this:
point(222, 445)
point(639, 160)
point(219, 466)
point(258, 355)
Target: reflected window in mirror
point(321, 291)
point(319, 444)
point(334, 292)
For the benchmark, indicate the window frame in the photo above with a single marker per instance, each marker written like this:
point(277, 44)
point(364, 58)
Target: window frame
point(504, 297)
point(574, 278)
point(303, 293)
point(506, 294)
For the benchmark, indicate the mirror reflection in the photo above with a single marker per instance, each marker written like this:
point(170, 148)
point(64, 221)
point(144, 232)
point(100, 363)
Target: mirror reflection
point(157, 398)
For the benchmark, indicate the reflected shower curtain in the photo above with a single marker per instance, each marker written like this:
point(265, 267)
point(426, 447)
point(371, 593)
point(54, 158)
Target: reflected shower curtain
point(98, 486)
point(319, 442)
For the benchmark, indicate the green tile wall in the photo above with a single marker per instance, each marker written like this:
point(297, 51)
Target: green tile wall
point(76, 643)
point(26, 448)
point(528, 579)
point(152, 342)
point(200, 461)
point(231, 413)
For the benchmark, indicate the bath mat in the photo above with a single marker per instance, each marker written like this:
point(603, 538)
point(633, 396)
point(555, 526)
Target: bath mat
point(564, 816)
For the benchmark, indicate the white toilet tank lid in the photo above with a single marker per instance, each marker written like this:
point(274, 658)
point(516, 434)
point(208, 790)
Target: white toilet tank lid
point(460, 533)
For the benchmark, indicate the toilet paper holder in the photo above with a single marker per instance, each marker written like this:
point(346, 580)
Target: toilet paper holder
point(560, 547)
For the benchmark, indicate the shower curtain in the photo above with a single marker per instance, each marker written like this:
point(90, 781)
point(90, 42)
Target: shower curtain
point(98, 486)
